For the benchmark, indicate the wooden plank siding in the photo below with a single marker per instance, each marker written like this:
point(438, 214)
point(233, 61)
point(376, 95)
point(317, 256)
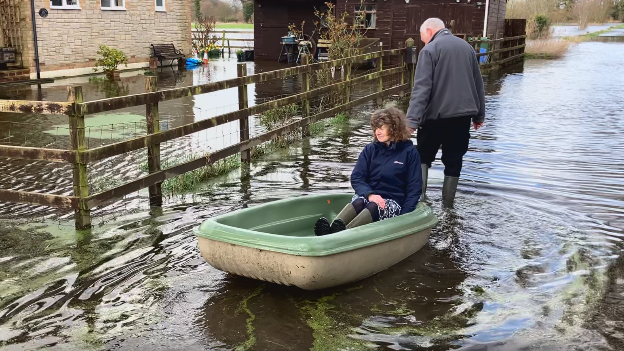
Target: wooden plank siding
point(272, 18)
point(396, 19)
point(496, 19)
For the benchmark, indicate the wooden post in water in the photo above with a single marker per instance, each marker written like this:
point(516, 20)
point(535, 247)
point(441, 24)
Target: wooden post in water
point(78, 143)
point(305, 87)
point(402, 65)
point(243, 104)
point(380, 66)
point(153, 151)
point(347, 78)
point(411, 68)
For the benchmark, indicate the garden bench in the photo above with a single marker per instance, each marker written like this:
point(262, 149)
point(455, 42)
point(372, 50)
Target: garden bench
point(167, 52)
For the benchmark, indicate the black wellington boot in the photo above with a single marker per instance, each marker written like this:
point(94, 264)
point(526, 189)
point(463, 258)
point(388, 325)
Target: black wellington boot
point(322, 227)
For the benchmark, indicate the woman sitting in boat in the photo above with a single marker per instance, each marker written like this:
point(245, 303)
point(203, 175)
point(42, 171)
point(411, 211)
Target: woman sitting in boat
point(387, 178)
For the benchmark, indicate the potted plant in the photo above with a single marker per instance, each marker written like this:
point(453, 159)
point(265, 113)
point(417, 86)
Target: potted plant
point(109, 60)
point(249, 55)
point(240, 55)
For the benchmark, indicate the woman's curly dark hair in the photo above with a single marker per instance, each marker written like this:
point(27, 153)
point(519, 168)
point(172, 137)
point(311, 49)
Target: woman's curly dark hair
point(394, 119)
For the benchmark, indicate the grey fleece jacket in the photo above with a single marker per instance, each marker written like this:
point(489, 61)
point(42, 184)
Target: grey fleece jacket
point(447, 82)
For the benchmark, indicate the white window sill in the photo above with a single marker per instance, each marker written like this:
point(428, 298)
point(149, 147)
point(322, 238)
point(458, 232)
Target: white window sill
point(65, 8)
point(161, 10)
point(113, 9)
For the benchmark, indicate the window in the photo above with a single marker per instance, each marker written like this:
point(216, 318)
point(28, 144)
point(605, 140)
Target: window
point(113, 4)
point(160, 5)
point(365, 16)
point(65, 4)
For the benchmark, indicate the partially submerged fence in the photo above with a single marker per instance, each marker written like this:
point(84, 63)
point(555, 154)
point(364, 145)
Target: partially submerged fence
point(80, 156)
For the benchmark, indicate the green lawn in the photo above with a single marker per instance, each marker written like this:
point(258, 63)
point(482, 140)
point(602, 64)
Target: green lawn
point(240, 26)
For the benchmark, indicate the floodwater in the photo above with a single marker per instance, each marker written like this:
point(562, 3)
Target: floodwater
point(530, 258)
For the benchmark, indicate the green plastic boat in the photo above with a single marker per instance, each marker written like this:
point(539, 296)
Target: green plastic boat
point(275, 242)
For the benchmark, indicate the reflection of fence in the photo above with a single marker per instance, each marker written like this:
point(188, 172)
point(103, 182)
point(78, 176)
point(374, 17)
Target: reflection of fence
point(82, 157)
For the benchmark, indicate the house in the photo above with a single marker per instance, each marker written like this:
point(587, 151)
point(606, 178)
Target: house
point(69, 32)
point(392, 21)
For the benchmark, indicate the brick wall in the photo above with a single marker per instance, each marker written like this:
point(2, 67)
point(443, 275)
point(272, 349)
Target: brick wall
point(70, 38)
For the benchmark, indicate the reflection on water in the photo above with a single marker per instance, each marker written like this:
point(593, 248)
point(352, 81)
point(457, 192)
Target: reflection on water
point(530, 258)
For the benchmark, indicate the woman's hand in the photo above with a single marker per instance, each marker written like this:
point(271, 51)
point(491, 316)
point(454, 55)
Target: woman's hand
point(378, 200)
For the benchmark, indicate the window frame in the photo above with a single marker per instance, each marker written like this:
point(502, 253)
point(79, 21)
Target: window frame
point(114, 7)
point(162, 8)
point(363, 9)
point(64, 6)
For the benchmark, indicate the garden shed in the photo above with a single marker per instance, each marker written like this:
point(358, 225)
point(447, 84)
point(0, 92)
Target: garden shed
point(391, 21)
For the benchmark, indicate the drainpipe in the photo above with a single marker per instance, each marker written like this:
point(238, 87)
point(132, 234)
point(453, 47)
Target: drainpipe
point(34, 27)
point(487, 15)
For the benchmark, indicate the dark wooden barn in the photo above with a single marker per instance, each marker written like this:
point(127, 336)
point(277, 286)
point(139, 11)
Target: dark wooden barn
point(392, 21)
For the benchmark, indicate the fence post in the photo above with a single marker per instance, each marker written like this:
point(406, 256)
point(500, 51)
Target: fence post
point(243, 104)
point(153, 151)
point(411, 68)
point(402, 65)
point(380, 66)
point(305, 87)
point(80, 175)
point(347, 79)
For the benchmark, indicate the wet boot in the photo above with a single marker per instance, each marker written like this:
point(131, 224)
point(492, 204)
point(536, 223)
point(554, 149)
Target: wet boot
point(345, 216)
point(425, 177)
point(448, 190)
point(362, 219)
point(321, 227)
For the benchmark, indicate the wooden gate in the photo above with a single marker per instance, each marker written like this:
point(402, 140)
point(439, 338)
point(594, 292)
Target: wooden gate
point(10, 29)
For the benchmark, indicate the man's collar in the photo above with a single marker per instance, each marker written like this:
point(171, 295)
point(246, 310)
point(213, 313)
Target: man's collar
point(443, 31)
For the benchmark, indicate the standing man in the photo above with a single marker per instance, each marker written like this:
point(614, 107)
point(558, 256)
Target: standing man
point(448, 95)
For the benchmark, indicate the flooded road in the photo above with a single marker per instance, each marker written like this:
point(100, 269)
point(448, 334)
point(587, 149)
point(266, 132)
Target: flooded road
point(530, 258)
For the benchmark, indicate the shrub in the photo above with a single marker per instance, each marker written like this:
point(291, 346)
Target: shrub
point(109, 59)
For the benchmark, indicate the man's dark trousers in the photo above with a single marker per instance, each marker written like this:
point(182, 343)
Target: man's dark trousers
point(453, 134)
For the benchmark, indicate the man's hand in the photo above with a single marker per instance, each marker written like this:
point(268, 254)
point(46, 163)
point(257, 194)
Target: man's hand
point(477, 125)
point(378, 200)
point(411, 130)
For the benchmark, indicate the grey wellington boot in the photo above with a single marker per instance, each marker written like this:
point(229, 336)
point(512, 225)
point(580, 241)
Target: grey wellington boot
point(362, 219)
point(448, 190)
point(425, 177)
point(343, 218)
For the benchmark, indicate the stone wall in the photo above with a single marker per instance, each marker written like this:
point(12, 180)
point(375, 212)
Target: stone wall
point(69, 39)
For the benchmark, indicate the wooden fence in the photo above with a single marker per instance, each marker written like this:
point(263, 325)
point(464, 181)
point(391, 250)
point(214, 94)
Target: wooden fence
point(80, 156)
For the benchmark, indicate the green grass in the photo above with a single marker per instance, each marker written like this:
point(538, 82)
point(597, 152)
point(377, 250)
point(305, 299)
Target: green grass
point(590, 36)
point(240, 26)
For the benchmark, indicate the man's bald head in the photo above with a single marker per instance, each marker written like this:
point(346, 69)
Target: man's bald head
point(429, 28)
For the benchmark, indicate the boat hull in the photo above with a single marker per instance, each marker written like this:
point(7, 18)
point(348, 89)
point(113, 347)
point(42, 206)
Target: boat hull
point(310, 272)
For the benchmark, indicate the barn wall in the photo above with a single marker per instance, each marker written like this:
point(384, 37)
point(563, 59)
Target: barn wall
point(272, 18)
point(398, 20)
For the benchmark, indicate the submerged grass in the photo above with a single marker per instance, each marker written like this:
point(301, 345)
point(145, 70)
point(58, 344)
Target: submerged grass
point(329, 334)
point(251, 341)
point(276, 118)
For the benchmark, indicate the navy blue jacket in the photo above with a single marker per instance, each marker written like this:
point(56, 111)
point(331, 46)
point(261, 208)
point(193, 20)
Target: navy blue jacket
point(392, 172)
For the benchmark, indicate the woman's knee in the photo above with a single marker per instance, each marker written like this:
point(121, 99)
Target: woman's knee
point(374, 210)
point(358, 205)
